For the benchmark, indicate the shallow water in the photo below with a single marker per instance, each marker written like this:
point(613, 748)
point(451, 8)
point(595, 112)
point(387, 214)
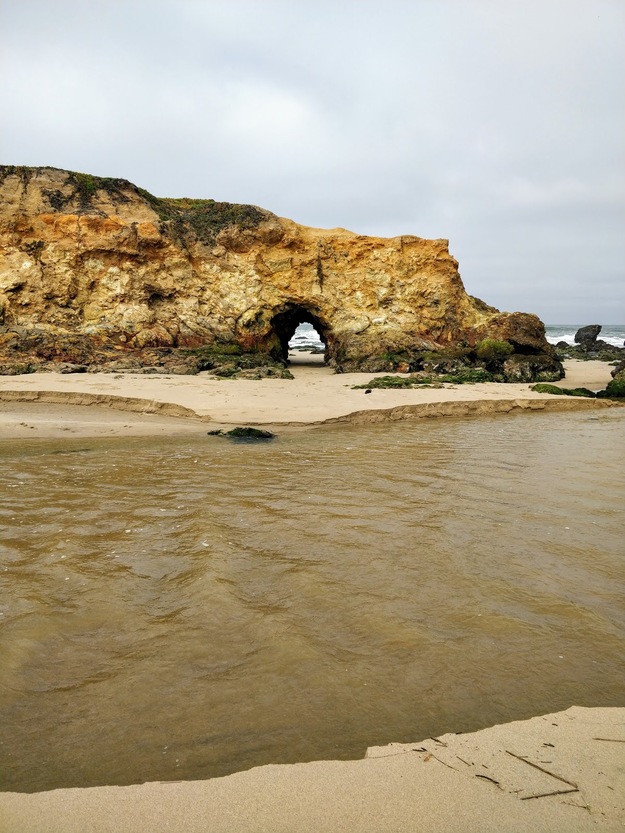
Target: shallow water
point(188, 608)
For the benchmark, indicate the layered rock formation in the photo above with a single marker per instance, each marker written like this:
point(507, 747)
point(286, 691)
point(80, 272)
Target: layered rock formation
point(96, 271)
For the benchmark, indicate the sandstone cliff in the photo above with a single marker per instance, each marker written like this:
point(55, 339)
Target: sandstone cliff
point(93, 269)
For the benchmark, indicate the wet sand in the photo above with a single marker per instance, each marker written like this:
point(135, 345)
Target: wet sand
point(52, 405)
point(558, 773)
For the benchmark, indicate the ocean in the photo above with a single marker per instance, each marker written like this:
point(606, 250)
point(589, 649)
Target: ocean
point(613, 334)
point(183, 608)
point(306, 337)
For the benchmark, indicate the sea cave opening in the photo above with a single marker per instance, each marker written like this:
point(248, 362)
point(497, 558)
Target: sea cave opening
point(299, 329)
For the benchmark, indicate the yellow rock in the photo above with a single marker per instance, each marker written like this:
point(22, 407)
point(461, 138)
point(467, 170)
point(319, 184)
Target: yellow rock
point(82, 254)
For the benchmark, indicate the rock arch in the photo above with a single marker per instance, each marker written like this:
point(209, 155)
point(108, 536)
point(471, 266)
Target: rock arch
point(285, 322)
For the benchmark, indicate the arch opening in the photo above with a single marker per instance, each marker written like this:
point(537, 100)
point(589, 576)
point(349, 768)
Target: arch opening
point(285, 323)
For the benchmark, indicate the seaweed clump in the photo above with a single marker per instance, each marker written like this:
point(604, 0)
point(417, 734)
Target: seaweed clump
point(464, 376)
point(395, 382)
point(541, 387)
point(229, 361)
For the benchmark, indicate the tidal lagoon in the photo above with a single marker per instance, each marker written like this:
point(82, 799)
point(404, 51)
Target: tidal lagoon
point(186, 607)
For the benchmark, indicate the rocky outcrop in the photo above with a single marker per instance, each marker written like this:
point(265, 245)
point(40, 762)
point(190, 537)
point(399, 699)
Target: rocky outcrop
point(98, 272)
point(586, 336)
point(615, 389)
point(588, 346)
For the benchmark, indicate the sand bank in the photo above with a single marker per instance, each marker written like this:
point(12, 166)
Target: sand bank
point(32, 405)
point(559, 773)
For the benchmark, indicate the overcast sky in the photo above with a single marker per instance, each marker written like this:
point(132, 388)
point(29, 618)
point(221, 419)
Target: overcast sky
point(499, 124)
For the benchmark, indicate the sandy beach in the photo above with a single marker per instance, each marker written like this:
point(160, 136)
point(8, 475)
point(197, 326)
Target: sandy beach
point(53, 405)
point(557, 773)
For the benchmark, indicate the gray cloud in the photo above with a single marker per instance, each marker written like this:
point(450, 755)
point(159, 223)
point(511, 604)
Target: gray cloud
point(497, 125)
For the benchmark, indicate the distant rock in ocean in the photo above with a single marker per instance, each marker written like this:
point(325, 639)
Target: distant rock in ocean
point(588, 346)
point(587, 335)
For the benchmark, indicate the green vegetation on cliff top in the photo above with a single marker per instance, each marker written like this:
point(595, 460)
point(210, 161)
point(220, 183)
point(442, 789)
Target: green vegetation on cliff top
point(206, 218)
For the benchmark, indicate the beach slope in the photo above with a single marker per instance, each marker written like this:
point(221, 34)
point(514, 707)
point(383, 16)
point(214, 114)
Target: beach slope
point(50, 405)
point(558, 773)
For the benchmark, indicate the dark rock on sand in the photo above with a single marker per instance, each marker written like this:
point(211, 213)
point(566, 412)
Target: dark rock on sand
point(616, 388)
point(537, 368)
point(245, 434)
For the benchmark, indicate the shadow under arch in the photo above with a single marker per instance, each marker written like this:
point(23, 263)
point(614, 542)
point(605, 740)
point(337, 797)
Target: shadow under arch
point(284, 324)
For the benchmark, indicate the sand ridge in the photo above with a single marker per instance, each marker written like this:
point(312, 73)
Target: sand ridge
point(316, 396)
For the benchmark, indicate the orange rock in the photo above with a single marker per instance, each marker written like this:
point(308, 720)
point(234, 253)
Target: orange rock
point(101, 257)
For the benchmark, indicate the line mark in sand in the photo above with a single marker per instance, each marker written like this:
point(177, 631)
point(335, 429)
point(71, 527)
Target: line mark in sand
point(542, 769)
point(449, 766)
point(612, 740)
point(488, 778)
point(544, 795)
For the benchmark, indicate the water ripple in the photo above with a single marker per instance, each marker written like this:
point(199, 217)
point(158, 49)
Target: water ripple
point(213, 607)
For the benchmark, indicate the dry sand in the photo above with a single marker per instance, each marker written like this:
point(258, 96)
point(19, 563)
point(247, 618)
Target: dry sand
point(574, 776)
point(559, 773)
point(45, 404)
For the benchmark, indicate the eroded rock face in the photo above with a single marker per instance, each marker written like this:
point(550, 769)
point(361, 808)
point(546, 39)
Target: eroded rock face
point(95, 270)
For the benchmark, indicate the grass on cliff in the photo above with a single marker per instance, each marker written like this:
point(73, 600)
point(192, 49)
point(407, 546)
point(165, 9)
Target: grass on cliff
point(205, 218)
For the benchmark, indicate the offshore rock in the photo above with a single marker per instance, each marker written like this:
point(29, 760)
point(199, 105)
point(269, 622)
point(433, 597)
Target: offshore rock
point(588, 346)
point(99, 272)
point(587, 336)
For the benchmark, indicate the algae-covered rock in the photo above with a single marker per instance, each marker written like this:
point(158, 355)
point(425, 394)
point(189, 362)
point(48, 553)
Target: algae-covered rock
point(541, 367)
point(615, 389)
point(228, 361)
point(393, 382)
point(558, 391)
point(469, 376)
point(246, 434)
point(464, 376)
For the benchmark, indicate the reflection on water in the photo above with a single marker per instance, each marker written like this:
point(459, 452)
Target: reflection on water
point(188, 608)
